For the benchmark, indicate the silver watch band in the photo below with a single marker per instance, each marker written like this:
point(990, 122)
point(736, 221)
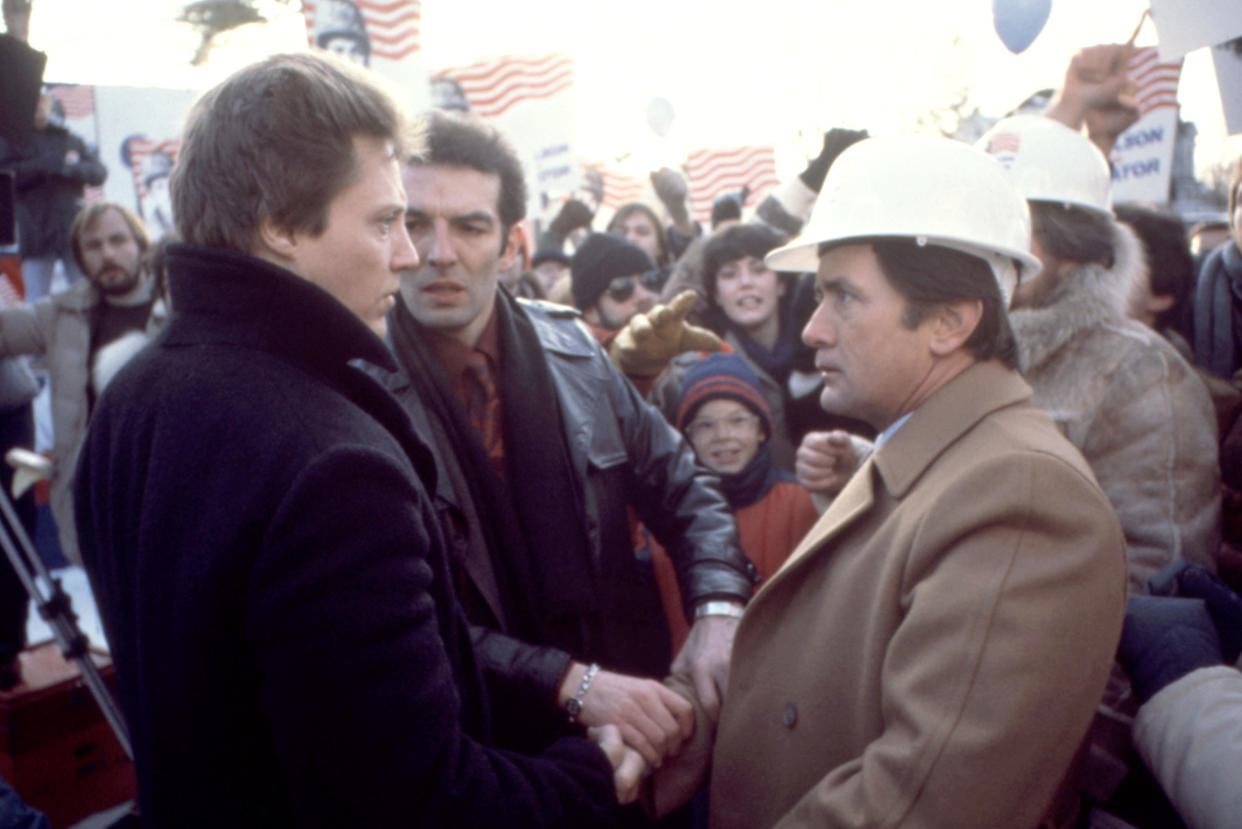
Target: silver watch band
point(718, 608)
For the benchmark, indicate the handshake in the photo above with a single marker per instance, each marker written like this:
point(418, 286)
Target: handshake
point(641, 723)
point(637, 723)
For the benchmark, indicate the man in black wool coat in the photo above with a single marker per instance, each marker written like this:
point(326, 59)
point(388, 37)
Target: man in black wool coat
point(253, 509)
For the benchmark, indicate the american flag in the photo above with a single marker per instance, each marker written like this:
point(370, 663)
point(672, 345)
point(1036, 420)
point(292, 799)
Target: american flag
point(713, 172)
point(140, 150)
point(78, 101)
point(619, 187)
point(392, 26)
point(1156, 81)
point(1004, 142)
point(493, 85)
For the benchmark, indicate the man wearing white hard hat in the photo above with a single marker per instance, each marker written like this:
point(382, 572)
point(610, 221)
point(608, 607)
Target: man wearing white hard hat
point(932, 652)
point(1135, 409)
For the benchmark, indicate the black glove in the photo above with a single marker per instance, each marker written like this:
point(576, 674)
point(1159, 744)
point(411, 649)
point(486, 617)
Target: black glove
point(573, 215)
point(836, 141)
point(1191, 581)
point(1164, 639)
point(728, 206)
point(672, 189)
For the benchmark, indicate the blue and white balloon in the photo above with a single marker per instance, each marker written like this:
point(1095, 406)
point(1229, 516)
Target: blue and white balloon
point(1019, 22)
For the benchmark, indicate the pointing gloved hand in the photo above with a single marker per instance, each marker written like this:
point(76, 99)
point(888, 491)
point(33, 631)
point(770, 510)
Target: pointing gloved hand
point(727, 207)
point(649, 340)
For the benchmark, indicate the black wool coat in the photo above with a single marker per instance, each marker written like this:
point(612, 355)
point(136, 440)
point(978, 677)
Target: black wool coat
point(273, 583)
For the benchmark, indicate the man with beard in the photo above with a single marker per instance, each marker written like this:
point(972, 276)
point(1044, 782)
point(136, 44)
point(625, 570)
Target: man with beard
point(80, 330)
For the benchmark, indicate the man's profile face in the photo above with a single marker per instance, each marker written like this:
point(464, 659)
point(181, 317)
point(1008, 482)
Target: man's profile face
point(111, 258)
point(364, 246)
point(872, 364)
point(453, 217)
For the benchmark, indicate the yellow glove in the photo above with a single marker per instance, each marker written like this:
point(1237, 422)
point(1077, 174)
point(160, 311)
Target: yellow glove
point(649, 340)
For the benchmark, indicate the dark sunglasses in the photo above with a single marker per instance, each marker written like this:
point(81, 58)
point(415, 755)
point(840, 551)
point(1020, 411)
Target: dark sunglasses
point(622, 288)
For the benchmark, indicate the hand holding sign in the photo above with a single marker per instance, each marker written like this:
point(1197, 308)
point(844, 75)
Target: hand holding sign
point(1098, 89)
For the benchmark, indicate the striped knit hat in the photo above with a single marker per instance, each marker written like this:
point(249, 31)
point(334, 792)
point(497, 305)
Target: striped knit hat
point(722, 376)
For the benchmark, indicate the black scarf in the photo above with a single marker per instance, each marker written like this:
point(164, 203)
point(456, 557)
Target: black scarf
point(532, 520)
point(755, 480)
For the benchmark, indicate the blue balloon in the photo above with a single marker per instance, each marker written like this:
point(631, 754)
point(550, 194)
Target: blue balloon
point(1019, 22)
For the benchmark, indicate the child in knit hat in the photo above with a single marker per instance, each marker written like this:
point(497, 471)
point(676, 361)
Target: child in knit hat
point(724, 416)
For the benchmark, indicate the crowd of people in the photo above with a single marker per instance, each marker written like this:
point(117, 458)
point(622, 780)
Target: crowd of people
point(912, 496)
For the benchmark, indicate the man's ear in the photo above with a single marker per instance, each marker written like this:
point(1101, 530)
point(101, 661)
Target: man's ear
point(277, 242)
point(513, 243)
point(952, 323)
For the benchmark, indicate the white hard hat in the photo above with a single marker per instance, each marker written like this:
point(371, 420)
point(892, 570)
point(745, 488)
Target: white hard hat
point(1052, 163)
point(934, 190)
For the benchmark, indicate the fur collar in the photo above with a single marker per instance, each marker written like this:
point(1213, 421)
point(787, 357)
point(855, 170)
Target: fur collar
point(1087, 296)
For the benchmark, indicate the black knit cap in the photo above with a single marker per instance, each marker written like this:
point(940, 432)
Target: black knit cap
point(601, 259)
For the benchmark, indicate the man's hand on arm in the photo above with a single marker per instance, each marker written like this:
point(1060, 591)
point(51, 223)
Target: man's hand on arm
point(705, 658)
point(628, 767)
point(652, 719)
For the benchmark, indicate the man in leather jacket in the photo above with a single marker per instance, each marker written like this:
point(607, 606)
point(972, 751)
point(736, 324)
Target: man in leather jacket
point(545, 455)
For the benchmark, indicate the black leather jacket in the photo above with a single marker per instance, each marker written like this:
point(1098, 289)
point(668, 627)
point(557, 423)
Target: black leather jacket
point(625, 455)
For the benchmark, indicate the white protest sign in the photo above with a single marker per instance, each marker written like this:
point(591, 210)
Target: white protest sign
point(1227, 61)
point(1186, 25)
point(1142, 158)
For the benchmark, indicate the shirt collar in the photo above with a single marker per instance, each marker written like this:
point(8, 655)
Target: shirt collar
point(891, 430)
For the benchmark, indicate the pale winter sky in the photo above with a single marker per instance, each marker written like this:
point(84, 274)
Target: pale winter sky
point(736, 71)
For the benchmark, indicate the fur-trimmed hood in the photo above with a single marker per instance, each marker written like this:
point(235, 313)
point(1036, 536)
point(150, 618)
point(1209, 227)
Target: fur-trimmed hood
point(1086, 296)
point(1134, 408)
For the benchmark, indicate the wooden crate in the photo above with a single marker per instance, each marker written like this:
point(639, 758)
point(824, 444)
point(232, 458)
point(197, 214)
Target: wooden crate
point(56, 748)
